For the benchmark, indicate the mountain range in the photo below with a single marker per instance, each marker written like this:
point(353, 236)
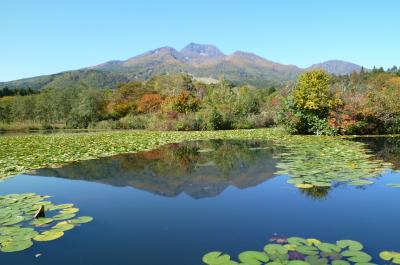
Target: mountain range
point(202, 61)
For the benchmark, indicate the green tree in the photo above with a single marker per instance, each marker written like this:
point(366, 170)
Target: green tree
point(89, 108)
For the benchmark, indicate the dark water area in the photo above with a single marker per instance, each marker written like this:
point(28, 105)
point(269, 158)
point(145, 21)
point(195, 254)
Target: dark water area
point(386, 148)
point(172, 205)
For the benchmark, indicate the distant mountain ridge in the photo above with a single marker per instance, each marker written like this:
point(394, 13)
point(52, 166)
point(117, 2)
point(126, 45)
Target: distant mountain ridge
point(199, 60)
point(337, 67)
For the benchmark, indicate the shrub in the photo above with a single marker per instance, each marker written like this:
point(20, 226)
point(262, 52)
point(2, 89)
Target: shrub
point(395, 126)
point(190, 122)
point(78, 121)
point(246, 102)
point(149, 103)
point(260, 120)
point(133, 122)
point(104, 125)
point(186, 102)
point(217, 120)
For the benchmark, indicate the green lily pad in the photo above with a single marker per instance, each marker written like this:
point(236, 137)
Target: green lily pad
point(297, 241)
point(316, 260)
point(350, 244)
point(275, 249)
point(64, 216)
point(18, 226)
point(253, 257)
point(216, 258)
point(327, 247)
point(81, 220)
point(392, 256)
point(70, 210)
point(42, 221)
point(356, 256)
point(13, 220)
point(304, 186)
point(361, 182)
point(63, 226)
point(307, 250)
point(297, 262)
point(15, 246)
point(49, 235)
point(340, 262)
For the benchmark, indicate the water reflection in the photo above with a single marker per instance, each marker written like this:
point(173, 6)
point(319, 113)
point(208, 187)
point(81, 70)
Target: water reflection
point(199, 169)
point(206, 168)
point(386, 148)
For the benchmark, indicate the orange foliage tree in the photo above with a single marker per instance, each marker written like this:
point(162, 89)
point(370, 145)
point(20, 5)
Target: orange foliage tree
point(149, 103)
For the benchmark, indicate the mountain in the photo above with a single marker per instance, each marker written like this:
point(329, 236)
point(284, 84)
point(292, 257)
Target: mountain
point(204, 61)
point(199, 60)
point(337, 67)
point(201, 53)
point(82, 78)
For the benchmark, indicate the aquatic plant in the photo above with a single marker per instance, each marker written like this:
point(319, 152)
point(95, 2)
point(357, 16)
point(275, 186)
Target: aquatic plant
point(322, 161)
point(310, 161)
point(19, 227)
point(392, 256)
point(302, 251)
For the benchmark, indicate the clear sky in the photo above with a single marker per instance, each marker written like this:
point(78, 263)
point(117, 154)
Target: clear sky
point(48, 36)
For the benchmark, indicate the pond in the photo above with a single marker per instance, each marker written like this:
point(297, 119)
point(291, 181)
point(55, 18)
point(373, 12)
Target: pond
point(174, 204)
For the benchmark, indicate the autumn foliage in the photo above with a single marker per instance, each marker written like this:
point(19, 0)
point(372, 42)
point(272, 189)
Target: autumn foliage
point(149, 103)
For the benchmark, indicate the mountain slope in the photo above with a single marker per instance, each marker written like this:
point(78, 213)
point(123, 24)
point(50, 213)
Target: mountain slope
point(83, 78)
point(336, 67)
point(198, 53)
point(202, 61)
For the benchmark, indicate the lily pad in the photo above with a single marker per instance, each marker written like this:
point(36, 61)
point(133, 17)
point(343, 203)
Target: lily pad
point(350, 244)
point(327, 247)
point(49, 235)
point(340, 262)
point(81, 220)
point(356, 256)
point(64, 216)
point(253, 257)
point(18, 226)
point(392, 256)
point(15, 246)
point(275, 249)
point(216, 258)
point(304, 186)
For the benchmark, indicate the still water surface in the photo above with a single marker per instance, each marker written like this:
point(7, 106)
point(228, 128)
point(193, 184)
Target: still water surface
point(172, 205)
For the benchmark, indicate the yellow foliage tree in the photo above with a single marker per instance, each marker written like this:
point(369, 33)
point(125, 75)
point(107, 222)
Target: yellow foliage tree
point(312, 92)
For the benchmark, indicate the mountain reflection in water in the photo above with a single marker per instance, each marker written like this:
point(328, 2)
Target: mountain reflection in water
point(200, 169)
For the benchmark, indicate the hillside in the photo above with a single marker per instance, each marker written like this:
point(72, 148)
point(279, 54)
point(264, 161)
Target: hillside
point(82, 78)
point(202, 61)
point(336, 67)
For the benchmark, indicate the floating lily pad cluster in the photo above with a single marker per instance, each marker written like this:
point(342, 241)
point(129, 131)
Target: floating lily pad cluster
point(301, 251)
point(19, 228)
point(323, 161)
point(311, 161)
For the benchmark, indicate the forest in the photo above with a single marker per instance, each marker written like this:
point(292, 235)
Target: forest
point(364, 102)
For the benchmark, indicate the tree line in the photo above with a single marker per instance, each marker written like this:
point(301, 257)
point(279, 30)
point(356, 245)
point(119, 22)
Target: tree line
point(363, 102)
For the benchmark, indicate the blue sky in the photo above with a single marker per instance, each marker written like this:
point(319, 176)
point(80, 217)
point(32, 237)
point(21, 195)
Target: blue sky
point(46, 36)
